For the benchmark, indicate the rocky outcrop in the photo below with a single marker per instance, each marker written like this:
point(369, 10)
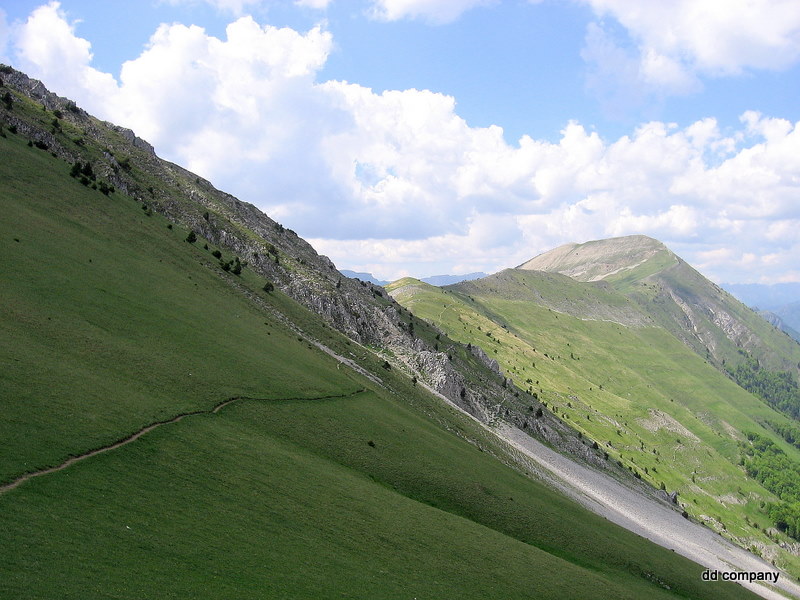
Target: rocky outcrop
point(491, 363)
point(133, 139)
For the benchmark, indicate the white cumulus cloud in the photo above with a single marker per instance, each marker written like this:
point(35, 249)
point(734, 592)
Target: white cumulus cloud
point(711, 36)
point(432, 11)
point(671, 46)
point(47, 47)
point(398, 183)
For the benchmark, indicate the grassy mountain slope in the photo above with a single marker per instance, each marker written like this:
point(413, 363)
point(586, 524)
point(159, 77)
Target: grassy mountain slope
point(699, 313)
point(599, 259)
point(720, 325)
point(315, 481)
point(103, 155)
point(645, 398)
point(110, 304)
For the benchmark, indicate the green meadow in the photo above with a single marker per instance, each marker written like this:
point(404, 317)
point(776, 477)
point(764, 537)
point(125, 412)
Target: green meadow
point(647, 400)
point(113, 321)
point(315, 482)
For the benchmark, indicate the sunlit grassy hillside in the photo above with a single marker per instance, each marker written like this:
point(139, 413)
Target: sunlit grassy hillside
point(315, 482)
point(643, 396)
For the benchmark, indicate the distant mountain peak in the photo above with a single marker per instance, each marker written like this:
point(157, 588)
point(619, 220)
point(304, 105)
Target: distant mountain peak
point(362, 276)
point(597, 259)
point(440, 280)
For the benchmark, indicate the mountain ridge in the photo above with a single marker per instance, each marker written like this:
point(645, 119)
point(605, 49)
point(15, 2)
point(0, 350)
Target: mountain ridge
point(597, 259)
point(289, 447)
point(647, 350)
point(129, 164)
point(438, 280)
point(698, 312)
point(358, 309)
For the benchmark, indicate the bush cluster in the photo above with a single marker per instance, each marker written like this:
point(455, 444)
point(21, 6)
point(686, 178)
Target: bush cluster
point(777, 388)
point(83, 171)
point(789, 432)
point(768, 464)
point(233, 265)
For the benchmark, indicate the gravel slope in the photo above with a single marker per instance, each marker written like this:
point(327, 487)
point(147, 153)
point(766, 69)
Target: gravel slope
point(644, 516)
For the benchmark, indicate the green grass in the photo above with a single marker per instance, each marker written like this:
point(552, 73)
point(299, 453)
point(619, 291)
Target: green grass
point(630, 279)
point(607, 380)
point(710, 305)
point(112, 322)
point(288, 499)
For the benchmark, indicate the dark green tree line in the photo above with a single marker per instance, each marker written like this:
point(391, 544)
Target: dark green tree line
point(768, 464)
point(777, 388)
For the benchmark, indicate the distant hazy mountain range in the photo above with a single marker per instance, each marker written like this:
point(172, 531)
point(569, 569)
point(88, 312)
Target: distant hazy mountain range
point(778, 303)
point(437, 280)
point(767, 297)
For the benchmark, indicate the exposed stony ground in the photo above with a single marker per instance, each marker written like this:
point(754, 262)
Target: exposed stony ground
point(596, 260)
point(640, 513)
point(657, 522)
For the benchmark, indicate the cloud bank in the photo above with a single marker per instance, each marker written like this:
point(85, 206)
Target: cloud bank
point(398, 183)
point(717, 38)
point(638, 52)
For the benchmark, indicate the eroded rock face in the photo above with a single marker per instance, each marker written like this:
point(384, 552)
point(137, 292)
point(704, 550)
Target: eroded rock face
point(35, 89)
point(134, 139)
point(491, 363)
point(361, 310)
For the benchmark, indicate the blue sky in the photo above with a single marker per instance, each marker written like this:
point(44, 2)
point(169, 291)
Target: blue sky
point(449, 136)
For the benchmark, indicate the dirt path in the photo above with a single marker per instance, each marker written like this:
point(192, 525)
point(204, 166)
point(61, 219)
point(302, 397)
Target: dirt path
point(148, 428)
